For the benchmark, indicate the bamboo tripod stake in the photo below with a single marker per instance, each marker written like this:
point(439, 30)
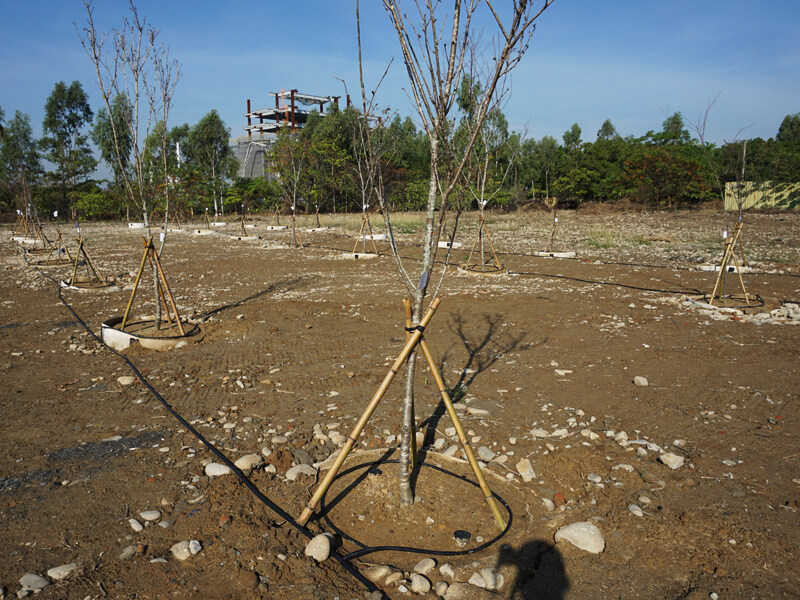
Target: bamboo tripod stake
point(82, 250)
point(366, 231)
point(482, 230)
point(414, 337)
point(730, 255)
point(163, 287)
point(554, 233)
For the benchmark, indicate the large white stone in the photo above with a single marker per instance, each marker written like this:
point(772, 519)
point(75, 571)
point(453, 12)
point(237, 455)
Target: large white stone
point(525, 470)
point(492, 579)
point(485, 453)
point(33, 582)
point(640, 381)
point(150, 515)
point(319, 548)
point(673, 461)
point(294, 472)
point(424, 566)
point(217, 469)
point(583, 535)
point(420, 584)
point(181, 550)
point(249, 462)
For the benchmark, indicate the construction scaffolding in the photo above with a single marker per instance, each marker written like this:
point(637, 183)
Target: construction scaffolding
point(291, 111)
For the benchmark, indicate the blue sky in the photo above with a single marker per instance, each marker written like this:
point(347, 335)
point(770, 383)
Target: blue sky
point(632, 61)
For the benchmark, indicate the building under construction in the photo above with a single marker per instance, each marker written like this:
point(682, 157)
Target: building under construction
point(291, 111)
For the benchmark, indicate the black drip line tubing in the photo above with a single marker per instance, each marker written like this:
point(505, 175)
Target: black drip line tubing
point(578, 279)
point(363, 550)
point(343, 560)
point(580, 260)
point(242, 478)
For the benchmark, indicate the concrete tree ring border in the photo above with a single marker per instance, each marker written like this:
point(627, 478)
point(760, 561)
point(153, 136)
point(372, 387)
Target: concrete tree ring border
point(450, 245)
point(277, 227)
point(135, 225)
point(316, 229)
point(57, 262)
point(203, 231)
point(21, 239)
point(473, 270)
point(358, 255)
point(729, 268)
point(375, 237)
point(545, 254)
point(121, 340)
point(87, 286)
point(246, 238)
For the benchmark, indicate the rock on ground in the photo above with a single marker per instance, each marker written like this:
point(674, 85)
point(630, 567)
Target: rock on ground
point(319, 548)
point(583, 535)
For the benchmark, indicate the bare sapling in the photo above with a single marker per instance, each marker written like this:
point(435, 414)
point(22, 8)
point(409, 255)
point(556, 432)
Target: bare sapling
point(734, 172)
point(138, 68)
point(435, 48)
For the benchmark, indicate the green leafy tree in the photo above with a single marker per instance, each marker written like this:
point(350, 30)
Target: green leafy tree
point(607, 131)
point(666, 177)
point(20, 164)
point(102, 134)
point(66, 113)
point(209, 152)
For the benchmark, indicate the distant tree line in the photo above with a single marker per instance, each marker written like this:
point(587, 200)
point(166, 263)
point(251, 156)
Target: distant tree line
point(54, 173)
point(316, 168)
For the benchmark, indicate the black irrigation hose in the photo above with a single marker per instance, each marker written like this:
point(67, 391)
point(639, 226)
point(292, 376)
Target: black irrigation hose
point(579, 259)
point(242, 477)
point(364, 550)
point(596, 282)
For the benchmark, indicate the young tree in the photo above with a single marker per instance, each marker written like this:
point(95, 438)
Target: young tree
point(66, 113)
point(20, 165)
point(435, 48)
point(134, 69)
point(289, 158)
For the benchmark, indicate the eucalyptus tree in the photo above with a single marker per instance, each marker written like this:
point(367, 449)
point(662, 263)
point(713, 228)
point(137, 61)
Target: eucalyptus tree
point(20, 163)
point(66, 114)
point(209, 152)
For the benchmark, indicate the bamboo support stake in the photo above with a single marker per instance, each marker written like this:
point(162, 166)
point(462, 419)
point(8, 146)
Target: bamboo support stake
point(451, 411)
point(90, 262)
point(413, 424)
point(167, 291)
point(412, 341)
point(147, 244)
point(75, 266)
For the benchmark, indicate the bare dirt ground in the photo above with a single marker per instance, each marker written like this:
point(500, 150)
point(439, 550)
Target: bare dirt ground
point(294, 343)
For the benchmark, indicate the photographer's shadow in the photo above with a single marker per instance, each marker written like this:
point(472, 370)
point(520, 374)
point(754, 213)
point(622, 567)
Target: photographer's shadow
point(540, 573)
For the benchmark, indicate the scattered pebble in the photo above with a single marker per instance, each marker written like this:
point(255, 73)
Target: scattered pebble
point(640, 381)
point(635, 510)
point(150, 515)
point(135, 525)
